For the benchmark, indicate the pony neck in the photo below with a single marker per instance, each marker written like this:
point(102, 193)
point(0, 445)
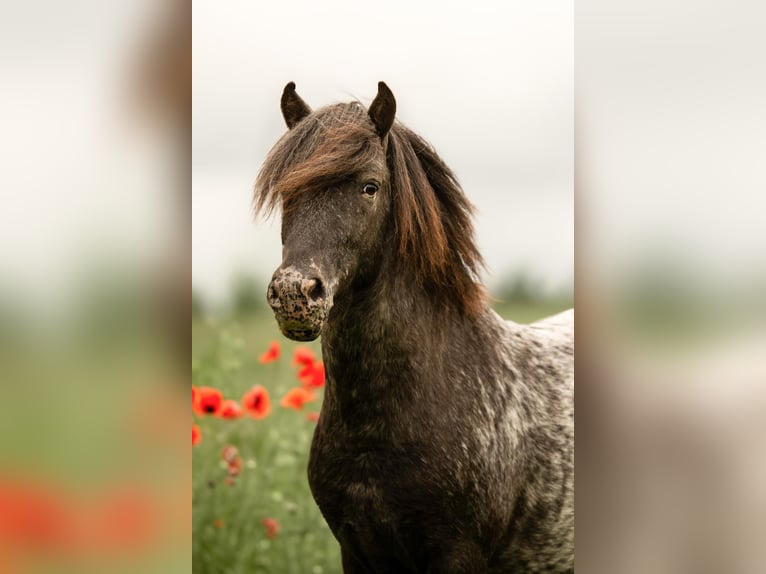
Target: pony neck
point(391, 326)
point(388, 346)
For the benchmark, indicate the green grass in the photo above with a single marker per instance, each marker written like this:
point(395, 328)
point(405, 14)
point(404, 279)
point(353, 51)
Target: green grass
point(274, 452)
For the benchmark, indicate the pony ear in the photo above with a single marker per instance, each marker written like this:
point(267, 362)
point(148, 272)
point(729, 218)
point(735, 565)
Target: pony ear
point(294, 109)
point(383, 109)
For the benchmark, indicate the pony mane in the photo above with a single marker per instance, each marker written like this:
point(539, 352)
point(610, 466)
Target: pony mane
point(431, 214)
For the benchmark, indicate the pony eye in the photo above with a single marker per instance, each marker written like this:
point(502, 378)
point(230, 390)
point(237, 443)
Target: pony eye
point(370, 188)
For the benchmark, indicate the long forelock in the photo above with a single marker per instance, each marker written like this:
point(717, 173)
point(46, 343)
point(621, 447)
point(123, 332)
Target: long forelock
point(327, 147)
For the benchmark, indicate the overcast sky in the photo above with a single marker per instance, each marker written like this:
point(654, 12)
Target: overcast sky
point(490, 85)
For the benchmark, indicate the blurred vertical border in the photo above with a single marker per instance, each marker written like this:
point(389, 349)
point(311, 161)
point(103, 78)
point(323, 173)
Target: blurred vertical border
point(95, 108)
point(670, 286)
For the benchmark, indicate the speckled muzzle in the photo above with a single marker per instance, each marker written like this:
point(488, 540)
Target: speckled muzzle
point(300, 303)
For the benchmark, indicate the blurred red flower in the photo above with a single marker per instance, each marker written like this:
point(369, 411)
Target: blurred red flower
point(218, 523)
point(194, 397)
point(312, 416)
point(209, 401)
point(256, 402)
point(296, 398)
point(234, 467)
point(230, 409)
point(312, 375)
point(196, 435)
point(36, 515)
point(125, 517)
point(271, 354)
point(272, 527)
point(303, 356)
point(229, 452)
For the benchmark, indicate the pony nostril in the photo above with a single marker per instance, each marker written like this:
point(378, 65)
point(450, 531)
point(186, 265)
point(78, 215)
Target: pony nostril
point(272, 296)
point(313, 289)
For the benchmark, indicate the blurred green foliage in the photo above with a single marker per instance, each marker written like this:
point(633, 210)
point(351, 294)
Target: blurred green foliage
point(90, 418)
point(248, 295)
point(663, 303)
point(197, 305)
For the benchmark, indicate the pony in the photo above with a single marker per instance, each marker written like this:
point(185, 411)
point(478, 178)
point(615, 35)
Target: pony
point(445, 442)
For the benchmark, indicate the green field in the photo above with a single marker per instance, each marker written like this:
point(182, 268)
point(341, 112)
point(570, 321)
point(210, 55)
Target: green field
point(228, 534)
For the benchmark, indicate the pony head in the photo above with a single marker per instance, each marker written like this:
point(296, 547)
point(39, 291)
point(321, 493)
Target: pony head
point(360, 195)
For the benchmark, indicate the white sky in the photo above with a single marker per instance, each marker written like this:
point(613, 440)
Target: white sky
point(490, 85)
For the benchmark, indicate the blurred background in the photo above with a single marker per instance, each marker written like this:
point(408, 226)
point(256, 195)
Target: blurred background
point(671, 291)
point(94, 293)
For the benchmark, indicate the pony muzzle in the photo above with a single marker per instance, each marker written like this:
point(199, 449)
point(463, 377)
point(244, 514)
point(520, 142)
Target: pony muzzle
point(299, 302)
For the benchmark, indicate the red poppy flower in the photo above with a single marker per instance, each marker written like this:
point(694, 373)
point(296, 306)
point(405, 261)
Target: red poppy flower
point(230, 409)
point(256, 402)
point(272, 527)
point(229, 452)
point(196, 435)
point(313, 416)
point(209, 401)
point(271, 354)
point(312, 376)
point(296, 398)
point(230, 455)
point(194, 397)
point(234, 467)
point(218, 523)
point(303, 356)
